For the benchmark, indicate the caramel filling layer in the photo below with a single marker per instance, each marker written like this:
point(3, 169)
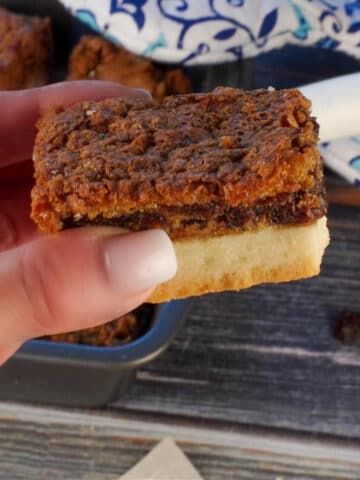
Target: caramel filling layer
point(215, 219)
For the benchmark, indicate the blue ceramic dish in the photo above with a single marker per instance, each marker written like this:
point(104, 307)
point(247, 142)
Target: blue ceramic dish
point(79, 375)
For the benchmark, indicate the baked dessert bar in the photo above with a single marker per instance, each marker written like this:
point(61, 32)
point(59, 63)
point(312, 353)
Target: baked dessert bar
point(234, 177)
point(96, 58)
point(120, 331)
point(26, 51)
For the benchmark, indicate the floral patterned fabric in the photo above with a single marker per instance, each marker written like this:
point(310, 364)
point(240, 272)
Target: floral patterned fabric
point(210, 31)
point(343, 157)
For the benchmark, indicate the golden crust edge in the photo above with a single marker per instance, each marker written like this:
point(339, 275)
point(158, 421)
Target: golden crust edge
point(289, 253)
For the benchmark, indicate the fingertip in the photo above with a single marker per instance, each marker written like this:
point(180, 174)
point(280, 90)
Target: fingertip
point(69, 92)
point(142, 92)
point(147, 257)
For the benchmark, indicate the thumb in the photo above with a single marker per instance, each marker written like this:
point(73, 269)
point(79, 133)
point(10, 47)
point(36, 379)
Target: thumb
point(78, 279)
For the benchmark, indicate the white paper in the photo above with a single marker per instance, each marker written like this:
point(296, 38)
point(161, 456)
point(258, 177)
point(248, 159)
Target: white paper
point(165, 462)
point(336, 104)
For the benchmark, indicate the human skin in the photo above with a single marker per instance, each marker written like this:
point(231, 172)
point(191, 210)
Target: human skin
point(75, 279)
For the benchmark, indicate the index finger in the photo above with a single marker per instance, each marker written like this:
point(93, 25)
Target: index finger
point(20, 110)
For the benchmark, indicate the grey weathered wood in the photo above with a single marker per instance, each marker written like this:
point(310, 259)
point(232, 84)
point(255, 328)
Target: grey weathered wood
point(267, 355)
point(69, 445)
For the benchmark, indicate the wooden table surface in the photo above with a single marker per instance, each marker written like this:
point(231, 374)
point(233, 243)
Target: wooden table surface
point(255, 386)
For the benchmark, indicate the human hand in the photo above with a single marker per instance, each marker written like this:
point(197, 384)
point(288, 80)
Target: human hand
point(78, 278)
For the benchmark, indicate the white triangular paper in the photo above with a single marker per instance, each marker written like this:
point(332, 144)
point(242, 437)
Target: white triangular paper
point(165, 462)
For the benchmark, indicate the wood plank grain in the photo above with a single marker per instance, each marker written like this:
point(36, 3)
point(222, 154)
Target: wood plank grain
point(340, 192)
point(41, 444)
point(267, 355)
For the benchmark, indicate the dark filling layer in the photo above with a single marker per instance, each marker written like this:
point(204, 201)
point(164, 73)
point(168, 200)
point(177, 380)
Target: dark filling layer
point(214, 219)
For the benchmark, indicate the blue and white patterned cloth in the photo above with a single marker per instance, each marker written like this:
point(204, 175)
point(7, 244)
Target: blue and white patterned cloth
point(211, 31)
point(343, 157)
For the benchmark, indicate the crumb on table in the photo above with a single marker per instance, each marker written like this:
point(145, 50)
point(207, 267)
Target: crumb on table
point(347, 330)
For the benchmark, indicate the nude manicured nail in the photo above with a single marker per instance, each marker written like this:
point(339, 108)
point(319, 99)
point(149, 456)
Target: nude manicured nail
point(139, 261)
point(143, 92)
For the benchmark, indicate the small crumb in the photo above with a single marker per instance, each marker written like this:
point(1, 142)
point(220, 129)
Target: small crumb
point(92, 74)
point(90, 112)
point(347, 330)
point(77, 217)
point(139, 144)
point(271, 89)
point(227, 142)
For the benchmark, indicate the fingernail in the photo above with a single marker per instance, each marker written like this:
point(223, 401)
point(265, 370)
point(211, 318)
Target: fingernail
point(143, 92)
point(138, 261)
